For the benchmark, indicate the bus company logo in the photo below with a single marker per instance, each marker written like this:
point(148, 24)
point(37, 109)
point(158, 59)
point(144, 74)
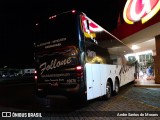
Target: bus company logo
point(54, 64)
point(136, 10)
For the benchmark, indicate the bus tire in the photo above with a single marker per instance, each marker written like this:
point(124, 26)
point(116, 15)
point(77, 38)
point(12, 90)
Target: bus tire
point(116, 89)
point(108, 91)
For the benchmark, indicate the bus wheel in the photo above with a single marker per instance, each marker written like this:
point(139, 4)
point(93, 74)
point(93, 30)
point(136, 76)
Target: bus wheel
point(108, 91)
point(116, 87)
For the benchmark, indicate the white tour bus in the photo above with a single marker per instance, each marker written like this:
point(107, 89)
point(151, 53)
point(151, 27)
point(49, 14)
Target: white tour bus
point(76, 57)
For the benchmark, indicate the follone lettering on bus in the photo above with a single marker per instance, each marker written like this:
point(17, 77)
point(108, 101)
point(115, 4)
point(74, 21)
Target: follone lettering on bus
point(54, 64)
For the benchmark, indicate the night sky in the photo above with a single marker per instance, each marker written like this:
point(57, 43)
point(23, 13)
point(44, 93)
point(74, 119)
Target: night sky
point(18, 17)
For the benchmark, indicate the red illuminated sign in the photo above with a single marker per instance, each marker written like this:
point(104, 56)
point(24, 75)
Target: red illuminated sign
point(136, 10)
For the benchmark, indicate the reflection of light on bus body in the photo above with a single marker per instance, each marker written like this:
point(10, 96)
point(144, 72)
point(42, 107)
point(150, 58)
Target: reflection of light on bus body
point(89, 35)
point(97, 60)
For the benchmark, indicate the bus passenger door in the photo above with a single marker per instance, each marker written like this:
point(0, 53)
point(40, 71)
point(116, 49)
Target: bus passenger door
point(89, 81)
point(96, 76)
point(94, 85)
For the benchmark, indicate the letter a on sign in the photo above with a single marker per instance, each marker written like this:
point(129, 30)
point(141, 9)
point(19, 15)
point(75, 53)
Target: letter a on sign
point(136, 10)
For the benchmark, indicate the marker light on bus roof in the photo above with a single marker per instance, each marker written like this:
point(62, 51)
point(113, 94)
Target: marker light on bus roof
point(51, 17)
point(73, 11)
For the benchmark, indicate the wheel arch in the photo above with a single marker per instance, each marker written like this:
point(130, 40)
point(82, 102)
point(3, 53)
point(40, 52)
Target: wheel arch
point(117, 78)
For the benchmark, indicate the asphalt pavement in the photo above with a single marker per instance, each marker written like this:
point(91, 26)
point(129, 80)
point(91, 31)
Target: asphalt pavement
point(132, 102)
